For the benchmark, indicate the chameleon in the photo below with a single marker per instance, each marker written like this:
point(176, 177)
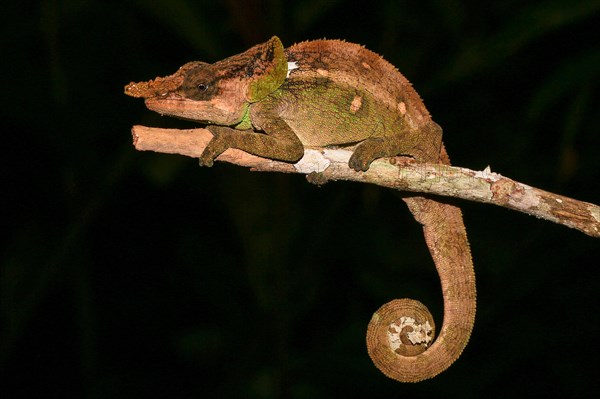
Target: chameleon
point(274, 102)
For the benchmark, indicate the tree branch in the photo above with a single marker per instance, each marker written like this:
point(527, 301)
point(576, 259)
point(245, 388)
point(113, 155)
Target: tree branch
point(399, 173)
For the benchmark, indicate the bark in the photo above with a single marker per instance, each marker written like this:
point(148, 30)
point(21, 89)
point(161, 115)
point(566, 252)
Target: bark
point(399, 173)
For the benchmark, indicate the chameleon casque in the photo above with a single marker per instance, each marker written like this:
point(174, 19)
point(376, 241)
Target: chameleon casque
point(273, 102)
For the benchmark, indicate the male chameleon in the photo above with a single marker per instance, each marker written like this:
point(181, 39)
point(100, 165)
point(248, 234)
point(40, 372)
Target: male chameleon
point(273, 102)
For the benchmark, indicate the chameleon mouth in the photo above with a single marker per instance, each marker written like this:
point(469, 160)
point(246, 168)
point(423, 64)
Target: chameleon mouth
point(199, 112)
point(169, 104)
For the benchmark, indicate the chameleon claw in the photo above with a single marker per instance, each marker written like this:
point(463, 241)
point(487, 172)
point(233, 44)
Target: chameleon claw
point(357, 164)
point(206, 159)
point(205, 162)
point(316, 178)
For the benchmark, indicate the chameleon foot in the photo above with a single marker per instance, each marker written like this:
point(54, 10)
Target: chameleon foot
point(316, 178)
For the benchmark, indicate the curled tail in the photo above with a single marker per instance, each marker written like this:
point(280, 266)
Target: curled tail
point(400, 333)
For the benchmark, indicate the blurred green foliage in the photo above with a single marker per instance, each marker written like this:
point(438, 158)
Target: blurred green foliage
point(129, 274)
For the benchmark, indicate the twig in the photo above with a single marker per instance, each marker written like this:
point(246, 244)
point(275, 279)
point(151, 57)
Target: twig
point(398, 173)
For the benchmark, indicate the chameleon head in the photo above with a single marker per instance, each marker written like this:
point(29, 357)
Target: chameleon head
point(219, 92)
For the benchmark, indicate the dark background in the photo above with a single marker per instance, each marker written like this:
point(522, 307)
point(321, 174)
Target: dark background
point(127, 274)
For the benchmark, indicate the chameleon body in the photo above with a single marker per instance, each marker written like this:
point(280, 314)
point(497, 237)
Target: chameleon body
point(274, 102)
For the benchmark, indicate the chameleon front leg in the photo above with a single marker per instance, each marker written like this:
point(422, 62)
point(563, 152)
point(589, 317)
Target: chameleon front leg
point(278, 142)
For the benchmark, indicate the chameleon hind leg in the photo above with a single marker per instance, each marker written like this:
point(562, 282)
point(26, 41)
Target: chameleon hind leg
point(424, 145)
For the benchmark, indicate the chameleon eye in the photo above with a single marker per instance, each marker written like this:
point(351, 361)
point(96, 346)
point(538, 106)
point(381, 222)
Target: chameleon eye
point(200, 83)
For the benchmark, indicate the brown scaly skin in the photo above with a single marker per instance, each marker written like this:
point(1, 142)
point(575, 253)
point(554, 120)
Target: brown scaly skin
point(274, 102)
